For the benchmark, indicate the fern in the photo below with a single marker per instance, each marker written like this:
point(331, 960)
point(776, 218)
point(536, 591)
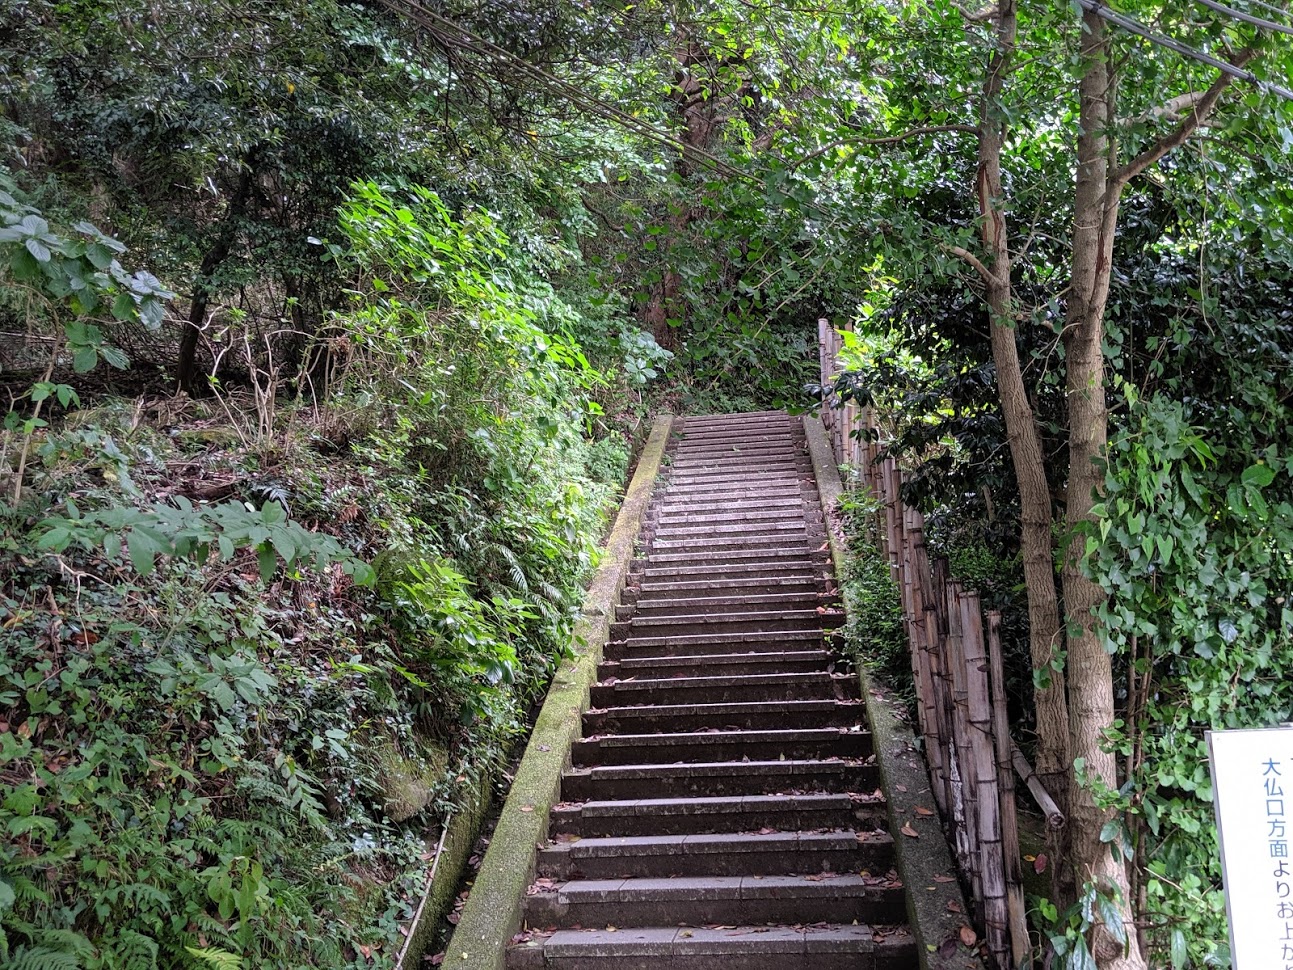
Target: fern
point(131, 950)
point(220, 959)
point(42, 958)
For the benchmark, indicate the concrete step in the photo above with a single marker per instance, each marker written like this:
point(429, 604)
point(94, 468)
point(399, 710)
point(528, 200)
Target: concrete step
point(655, 604)
point(781, 483)
point(732, 557)
point(750, 715)
point(793, 511)
point(796, 744)
point(736, 449)
point(717, 690)
point(805, 812)
point(729, 575)
point(735, 500)
point(763, 852)
point(753, 585)
point(712, 779)
point(736, 465)
point(642, 646)
point(783, 661)
point(698, 900)
point(776, 543)
point(703, 624)
point(789, 526)
point(825, 947)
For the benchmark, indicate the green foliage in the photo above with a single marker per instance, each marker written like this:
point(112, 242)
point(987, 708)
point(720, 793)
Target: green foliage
point(184, 529)
point(876, 632)
point(79, 275)
point(202, 755)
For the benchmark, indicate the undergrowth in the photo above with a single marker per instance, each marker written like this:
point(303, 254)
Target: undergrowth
point(255, 648)
point(874, 632)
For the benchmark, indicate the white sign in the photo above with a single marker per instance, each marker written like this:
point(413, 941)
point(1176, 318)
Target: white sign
point(1252, 784)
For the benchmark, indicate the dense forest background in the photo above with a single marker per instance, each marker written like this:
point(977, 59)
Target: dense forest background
point(328, 329)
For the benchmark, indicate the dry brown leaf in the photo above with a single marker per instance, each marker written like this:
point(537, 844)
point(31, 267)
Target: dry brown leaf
point(968, 936)
point(910, 832)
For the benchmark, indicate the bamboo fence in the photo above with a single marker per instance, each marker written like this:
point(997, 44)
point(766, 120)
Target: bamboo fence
point(957, 667)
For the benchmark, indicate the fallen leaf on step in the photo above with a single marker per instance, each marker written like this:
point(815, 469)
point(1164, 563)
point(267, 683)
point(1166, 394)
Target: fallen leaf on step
point(1039, 864)
point(953, 906)
point(922, 810)
point(612, 929)
point(527, 808)
point(944, 879)
point(968, 936)
point(910, 832)
point(685, 934)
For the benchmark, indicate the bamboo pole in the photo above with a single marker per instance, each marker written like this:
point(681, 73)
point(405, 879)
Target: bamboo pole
point(1020, 944)
point(924, 648)
point(963, 779)
point(824, 358)
point(987, 800)
point(1054, 817)
point(944, 704)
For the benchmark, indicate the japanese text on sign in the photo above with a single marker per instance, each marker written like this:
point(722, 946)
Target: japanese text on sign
point(1252, 777)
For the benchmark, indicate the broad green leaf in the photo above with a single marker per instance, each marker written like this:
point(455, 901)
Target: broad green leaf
point(1258, 476)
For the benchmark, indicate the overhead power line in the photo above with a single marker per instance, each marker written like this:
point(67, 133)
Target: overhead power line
point(1247, 17)
point(1132, 27)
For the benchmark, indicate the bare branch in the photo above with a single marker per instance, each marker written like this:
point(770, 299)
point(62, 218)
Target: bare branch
point(1172, 109)
point(1177, 137)
point(888, 140)
point(989, 277)
point(978, 16)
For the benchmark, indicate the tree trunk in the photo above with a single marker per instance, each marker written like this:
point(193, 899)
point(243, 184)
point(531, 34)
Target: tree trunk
point(186, 375)
point(1021, 429)
point(1090, 671)
point(699, 115)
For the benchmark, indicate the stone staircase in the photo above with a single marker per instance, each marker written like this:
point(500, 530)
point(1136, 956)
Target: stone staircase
point(722, 809)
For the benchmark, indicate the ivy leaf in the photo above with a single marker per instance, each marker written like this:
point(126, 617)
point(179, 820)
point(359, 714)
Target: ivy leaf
point(1180, 953)
point(1229, 632)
